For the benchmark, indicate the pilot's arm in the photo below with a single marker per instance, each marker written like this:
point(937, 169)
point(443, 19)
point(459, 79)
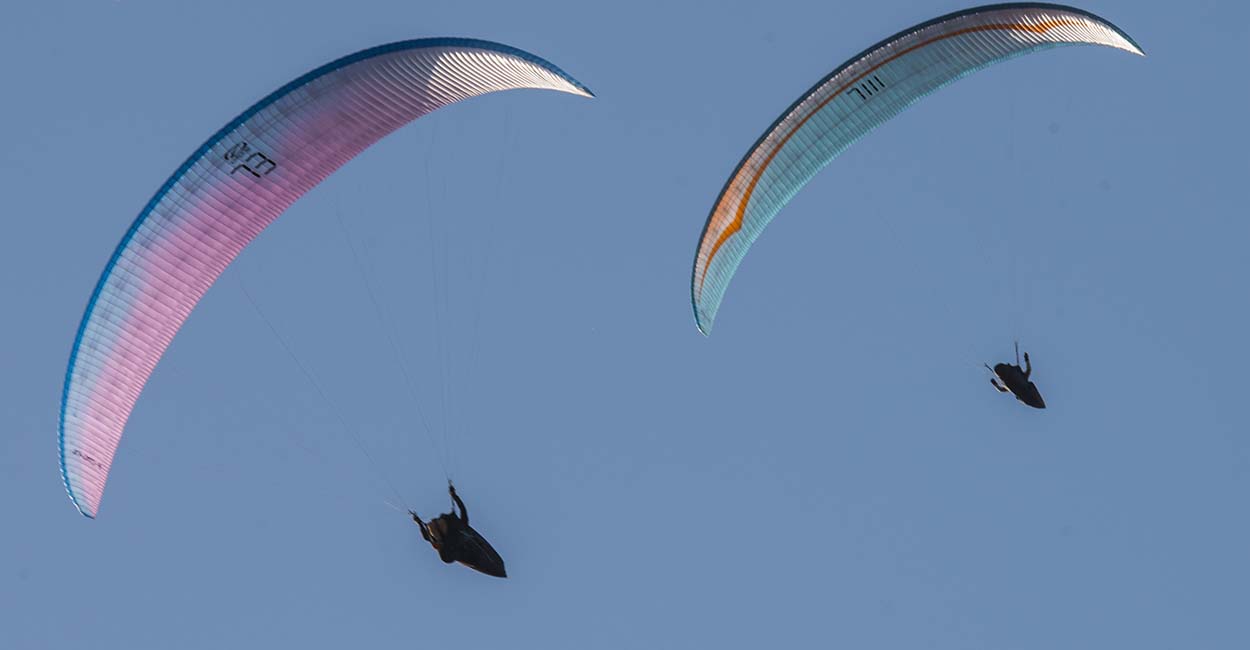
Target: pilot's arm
point(464, 514)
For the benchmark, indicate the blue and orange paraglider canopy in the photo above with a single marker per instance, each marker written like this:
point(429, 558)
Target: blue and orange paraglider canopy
point(861, 94)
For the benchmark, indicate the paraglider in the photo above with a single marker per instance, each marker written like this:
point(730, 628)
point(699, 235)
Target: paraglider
point(456, 541)
point(1016, 380)
point(228, 191)
point(861, 94)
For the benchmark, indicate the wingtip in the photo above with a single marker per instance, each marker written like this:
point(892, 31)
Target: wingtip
point(1133, 47)
point(74, 499)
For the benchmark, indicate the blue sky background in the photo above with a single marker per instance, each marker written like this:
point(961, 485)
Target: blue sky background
point(829, 469)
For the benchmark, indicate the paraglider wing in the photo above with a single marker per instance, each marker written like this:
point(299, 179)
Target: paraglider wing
point(863, 93)
point(227, 192)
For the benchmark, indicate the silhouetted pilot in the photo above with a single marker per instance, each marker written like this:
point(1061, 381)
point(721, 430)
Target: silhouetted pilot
point(1016, 381)
point(455, 541)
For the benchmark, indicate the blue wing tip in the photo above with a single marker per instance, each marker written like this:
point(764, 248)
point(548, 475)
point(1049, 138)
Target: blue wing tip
point(82, 511)
point(78, 506)
point(705, 328)
point(508, 49)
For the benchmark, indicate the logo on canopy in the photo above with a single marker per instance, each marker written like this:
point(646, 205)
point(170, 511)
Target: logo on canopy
point(253, 162)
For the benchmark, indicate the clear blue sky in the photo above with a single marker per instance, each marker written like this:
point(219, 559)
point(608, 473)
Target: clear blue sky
point(829, 469)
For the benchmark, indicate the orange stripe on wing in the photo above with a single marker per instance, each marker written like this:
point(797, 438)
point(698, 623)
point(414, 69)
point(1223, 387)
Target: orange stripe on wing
point(736, 225)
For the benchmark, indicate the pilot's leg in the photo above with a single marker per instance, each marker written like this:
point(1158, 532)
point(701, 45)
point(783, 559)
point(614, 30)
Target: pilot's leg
point(995, 383)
